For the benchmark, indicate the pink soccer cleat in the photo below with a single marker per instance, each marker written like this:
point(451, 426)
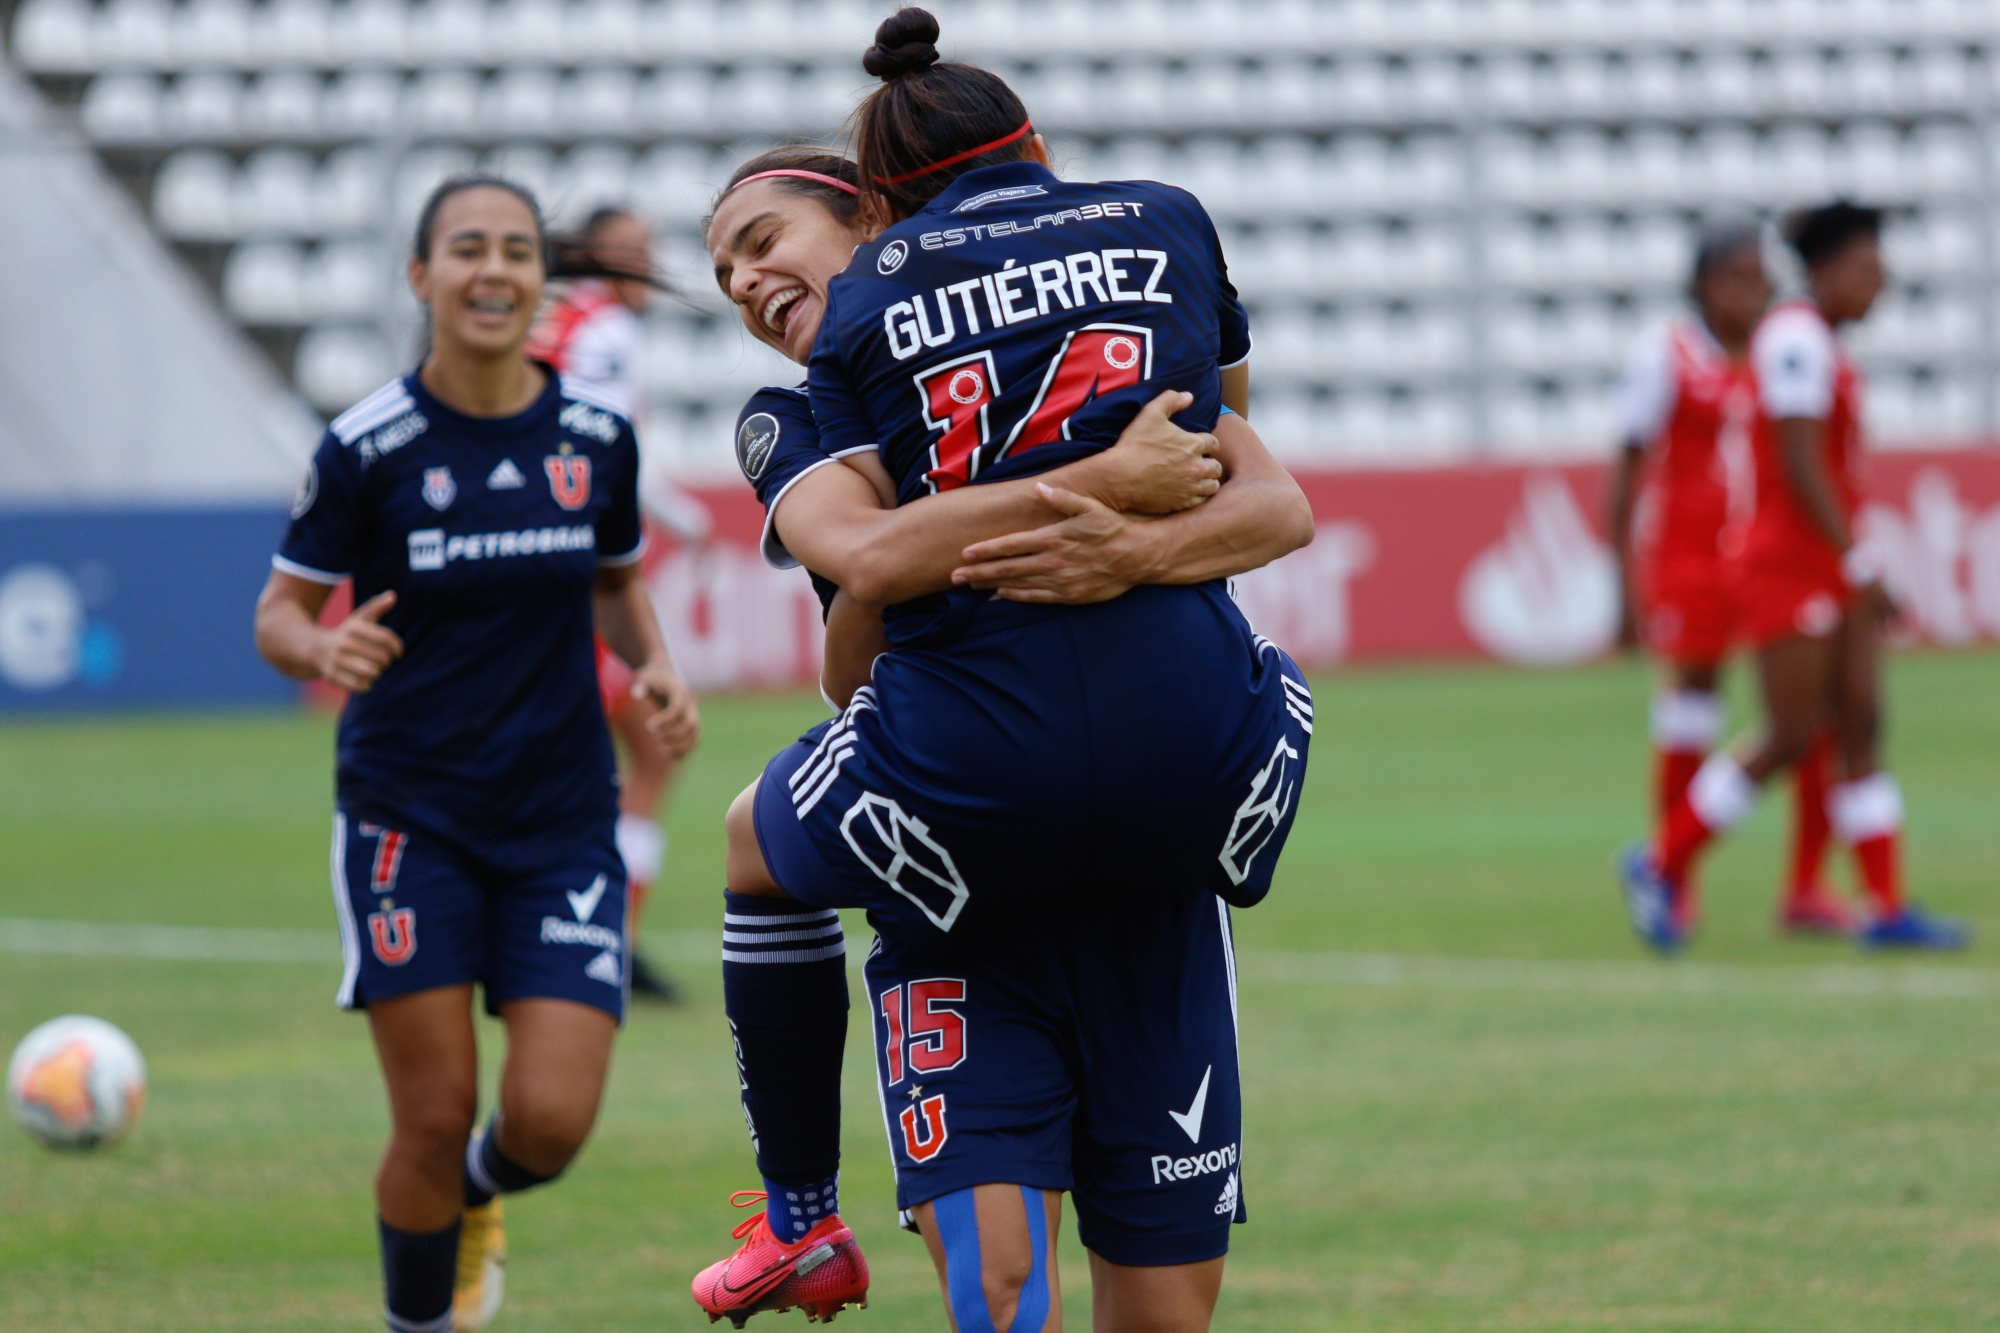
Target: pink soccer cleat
point(822, 1274)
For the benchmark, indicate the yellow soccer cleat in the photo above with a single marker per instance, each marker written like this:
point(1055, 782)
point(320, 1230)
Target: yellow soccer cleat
point(482, 1268)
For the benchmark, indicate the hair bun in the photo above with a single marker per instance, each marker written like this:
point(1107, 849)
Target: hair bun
point(906, 43)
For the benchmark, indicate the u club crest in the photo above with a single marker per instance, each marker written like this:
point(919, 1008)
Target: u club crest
point(439, 489)
point(569, 479)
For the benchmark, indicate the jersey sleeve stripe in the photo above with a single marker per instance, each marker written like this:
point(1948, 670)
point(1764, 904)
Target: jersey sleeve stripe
point(386, 403)
point(1251, 341)
point(624, 560)
point(306, 572)
point(585, 392)
point(773, 550)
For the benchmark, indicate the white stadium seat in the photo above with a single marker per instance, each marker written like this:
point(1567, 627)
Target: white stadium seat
point(274, 193)
point(589, 177)
point(193, 196)
point(675, 99)
point(448, 32)
point(368, 33)
point(344, 280)
point(518, 100)
point(597, 100)
point(417, 175)
point(261, 283)
point(338, 363)
point(531, 164)
point(283, 104)
point(121, 108)
point(442, 102)
point(53, 36)
point(130, 33)
point(202, 106)
point(349, 191)
point(362, 102)
point(289, 32)
point(210, 32)
point(527, 30)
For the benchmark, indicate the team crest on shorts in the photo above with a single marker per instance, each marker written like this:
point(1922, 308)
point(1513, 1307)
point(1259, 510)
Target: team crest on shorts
point(393, 934)
point(1262, 811)
point(569, 479)
point(898, 847)
point(755, 440)
point(439, 489)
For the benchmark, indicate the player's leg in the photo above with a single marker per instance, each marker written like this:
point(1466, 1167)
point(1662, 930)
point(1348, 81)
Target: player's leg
point(784, 988)
point(1867, 804)
point(994, 1248)
point(430, 1063)
point(1686, 725)
point(1809, 905)
point(646, 777)
point(1794, 674)
point(1179, 1298)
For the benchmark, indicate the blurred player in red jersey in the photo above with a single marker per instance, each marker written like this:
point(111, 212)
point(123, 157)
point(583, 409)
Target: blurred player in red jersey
point(593, 334)
point(1813, 602)
point(1687, 407)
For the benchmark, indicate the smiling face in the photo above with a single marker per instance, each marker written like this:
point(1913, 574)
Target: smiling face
point(775, 250)
point(483, 276)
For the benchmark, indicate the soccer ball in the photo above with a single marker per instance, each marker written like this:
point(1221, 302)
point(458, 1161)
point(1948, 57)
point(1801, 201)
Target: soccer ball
point(77, 1082)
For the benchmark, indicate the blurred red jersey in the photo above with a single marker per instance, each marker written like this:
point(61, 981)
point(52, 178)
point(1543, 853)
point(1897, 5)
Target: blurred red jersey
point(1794, 578)
point(1693, 409)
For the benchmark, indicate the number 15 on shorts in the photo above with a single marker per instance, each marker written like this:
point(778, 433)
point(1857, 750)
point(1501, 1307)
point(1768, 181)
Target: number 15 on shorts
point(923, 1034)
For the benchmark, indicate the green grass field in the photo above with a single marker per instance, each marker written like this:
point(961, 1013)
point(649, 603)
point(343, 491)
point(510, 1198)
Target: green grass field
point(1471, 1104)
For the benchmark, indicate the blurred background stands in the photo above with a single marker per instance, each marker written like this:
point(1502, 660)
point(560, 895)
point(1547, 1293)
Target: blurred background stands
point(1447, 216)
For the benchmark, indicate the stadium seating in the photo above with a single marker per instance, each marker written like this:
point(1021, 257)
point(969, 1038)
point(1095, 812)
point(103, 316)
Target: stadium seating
point(1447, 215)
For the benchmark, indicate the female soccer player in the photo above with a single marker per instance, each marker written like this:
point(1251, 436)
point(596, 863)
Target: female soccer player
point(592, 335)
point(1036, 803)
point(1687, 408)
point(488, 515)
point(1813, 602)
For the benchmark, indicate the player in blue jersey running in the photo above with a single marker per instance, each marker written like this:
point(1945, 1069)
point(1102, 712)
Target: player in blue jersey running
point(487, 512)
point(1036, 804)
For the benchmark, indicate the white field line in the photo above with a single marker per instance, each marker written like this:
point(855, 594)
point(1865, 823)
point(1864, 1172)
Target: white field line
point(238, 944)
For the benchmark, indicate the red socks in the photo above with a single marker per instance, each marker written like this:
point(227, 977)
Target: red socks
point(1719, 796)
point(1812, 826)
point(1868, 816)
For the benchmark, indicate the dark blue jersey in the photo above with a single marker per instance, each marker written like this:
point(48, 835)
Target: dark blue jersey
point(490, 531)
point(1018, 322)
point(777, 442)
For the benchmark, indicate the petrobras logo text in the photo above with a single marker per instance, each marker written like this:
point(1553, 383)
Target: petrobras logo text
point(1167, 1170)
point(388, 439)
point(431, 549)
point(1016, 293)
point(587, 420)
point(986, 231)
point(555, 930)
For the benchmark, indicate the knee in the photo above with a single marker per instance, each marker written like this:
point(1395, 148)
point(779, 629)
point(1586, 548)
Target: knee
point(436, 1129)
point(545, 1134)
point(1004, 1284)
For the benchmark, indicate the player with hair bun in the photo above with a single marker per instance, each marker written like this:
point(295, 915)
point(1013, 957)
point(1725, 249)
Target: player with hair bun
point(1813, 604)
point(1044, 807)
point(1682, 497)
point(487, 511)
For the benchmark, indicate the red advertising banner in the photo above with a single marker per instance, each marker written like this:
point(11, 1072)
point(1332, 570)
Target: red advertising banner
point(1507, 562)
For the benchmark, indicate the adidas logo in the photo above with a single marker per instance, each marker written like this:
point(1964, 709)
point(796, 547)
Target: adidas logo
point(506, 477)
point(605, 968)
point(1227, 1203)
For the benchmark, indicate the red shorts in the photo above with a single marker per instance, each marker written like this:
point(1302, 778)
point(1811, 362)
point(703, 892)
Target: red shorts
point(1781, 603)
point(1690, 607)
point(614, 680)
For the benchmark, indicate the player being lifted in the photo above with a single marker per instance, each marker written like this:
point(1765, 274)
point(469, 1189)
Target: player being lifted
point(488, 514)
point(1813, 603)
point(1037, 804)
point(593, 336)
point(1687, 407)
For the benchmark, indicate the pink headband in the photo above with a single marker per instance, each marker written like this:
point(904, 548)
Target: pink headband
point(818, 177)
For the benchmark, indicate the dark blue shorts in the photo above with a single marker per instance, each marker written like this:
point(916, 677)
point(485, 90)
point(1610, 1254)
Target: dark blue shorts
point(1151, 741)
point(1090, 1049)
point(417, 913)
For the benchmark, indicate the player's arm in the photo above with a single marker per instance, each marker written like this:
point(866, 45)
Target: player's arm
point(1626, 474)
point(622, 614)
point(854, 639)
point(1236, 388)
point(1094, 553)
point(833, 519)
point(348, 656)
point(1802, 447)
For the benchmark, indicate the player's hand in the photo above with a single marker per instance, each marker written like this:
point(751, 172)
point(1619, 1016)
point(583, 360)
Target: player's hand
point(676, 719)
point(1158, 467)
point(1876, 601)
point(360, 648)
point(1093, 555)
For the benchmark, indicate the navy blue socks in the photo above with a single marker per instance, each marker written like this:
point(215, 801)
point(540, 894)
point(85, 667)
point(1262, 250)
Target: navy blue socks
point(418, 1270)
point(784, 987)
point(488, 1171)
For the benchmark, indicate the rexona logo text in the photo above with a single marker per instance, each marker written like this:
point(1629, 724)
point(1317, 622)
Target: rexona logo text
point(431, 549)
point(1167, 1170)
